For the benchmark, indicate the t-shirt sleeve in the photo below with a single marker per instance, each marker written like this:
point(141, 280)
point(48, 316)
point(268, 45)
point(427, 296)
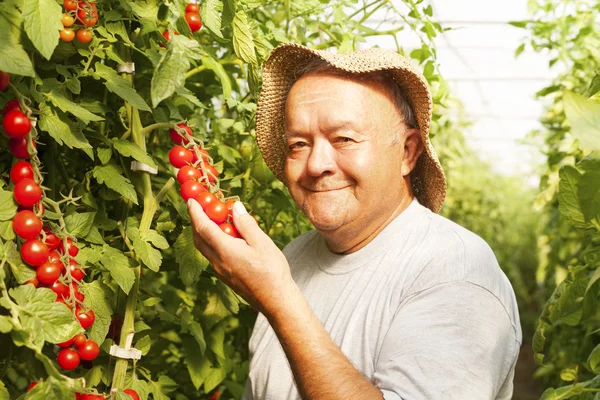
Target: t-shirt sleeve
point(452, 341)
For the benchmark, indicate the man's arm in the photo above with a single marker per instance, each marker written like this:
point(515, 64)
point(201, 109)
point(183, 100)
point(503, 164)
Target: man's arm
point(257, 270)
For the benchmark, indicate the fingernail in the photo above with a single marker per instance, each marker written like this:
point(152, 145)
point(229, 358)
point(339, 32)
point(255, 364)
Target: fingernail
point(239, 209)
point(190, 202)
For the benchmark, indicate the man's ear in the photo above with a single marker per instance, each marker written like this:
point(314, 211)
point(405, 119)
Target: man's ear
point(413, 147)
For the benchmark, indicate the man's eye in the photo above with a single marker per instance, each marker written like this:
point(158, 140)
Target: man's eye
point(344, 139)
point(297, 145)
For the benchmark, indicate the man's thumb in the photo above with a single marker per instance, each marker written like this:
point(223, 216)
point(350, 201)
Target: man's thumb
point(246, 224)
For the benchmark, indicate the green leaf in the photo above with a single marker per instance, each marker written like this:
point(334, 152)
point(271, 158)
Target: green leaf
point(569, 374)
point(118, 265)
point(42, 23)
point(191, 261)
point(568, 201)
point(6, 231)
point(594, 359)
point(519, 50)
point(42, 317)
point(218, 69)
point(63, 130)
point(99, 298)
point(110, 175)
point(79, 224)
point(8, 206)
point(210, 14)
point(518, 24)
point(243, 44)
point(4, 395)
point(20, 271)
point(216, 340)
point(198, 334)
point(66, 105)
point(13, 58)
point(5, 324)
point(197, 365)
point(130, 149)
point(120, 86)
point(143, 344)
point(228, 297)
point(171, 71)
point(589, 187)
point(584, 116)
point(216, 376)
point(215, 310)
point(51, 389)
point(151, 257)
point(104, 155)
point(156, 239)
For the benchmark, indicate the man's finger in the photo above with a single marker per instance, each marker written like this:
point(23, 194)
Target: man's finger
point(247, 226)
point(209, 232)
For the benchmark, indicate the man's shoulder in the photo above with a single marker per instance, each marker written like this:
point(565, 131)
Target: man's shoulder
point(300, 244)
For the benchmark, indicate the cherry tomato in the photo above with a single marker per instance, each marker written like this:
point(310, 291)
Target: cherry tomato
point(187, 173)
point(229, 204)
point(16, 124)
point(211, 173)
point(87, 14)
point(79, 339)
point(38, 208)
point(67, 20)
point(180, 156)
point(70, 5)
point(34, 281)
point(191, 189)
point(230, 230)
point(71, 247)
point(176, 137)
point(67, 35)
point(203, 152)
point(85, 36)
point(52, 241)
point(86, 319)
point(68, 359)
point(54, 256)
point(27, 192)
point(76, 272)
point(192, 8)
point(91, 396)
point(76, 293)
point(193, 20)
point(132, 393)
point(67, 343)
point(11, 105)
point(18, 147)
point(35, 253)
point(167, 35)
point(63, 301)
point(48, 273)
point(31, 386)
point(58, 287)
point(88, 350)
point(4, 80)
point(26, 224)
point(205, 198)
point(20, 171)
point(217, 212)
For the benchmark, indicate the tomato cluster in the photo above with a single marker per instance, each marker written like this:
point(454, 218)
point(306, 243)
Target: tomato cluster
point(93, 396)
point(76, 349)
point(198, 179)
point(85, 13)
point(192, 16)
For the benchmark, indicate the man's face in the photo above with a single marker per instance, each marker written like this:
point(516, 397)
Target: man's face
point(342, 168)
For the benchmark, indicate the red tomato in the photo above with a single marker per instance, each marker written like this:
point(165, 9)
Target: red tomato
point(26, 224)
point(85, 36)
point(193, 20)
point(48, 273)
point(34, 281)
point(27, 192)
point(58, 287)
point(38, 208)
point(211, 173)
point(16, 124)
point(180, 156)
point(76, 272)
point(68, 359)
point(86, 319)
point(206, 198)
point(88, 350)
point(63, 301)
point(4, 80)
point(70, 5)
point(187, 173)
point(132, 393)
point(67, 343)
point(31, 386)
point(76, 293)
point(191, 189)
point(167, 35)
point(79, 339)
point(203, 153)
point(18, 147)
point(217, 212)
point(52, 241)
point(67, 35)
point(71, 247)
point(175, 136)
point(11, 105)
point(20, 171)
point(87, 14)
point(192, 8)
point(34, 252)
point(91, 396)
point(229, 204)
point(230, 230)
point(67, 20)
point(53, 256)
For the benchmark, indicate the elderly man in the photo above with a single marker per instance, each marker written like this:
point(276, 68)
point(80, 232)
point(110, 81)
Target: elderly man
point(385, 298)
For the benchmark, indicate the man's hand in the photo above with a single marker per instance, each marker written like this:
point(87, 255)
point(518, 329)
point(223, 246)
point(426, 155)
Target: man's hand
point(253, 267)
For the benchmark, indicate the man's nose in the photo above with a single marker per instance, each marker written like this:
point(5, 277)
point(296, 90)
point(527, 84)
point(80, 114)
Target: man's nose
point(321, 159)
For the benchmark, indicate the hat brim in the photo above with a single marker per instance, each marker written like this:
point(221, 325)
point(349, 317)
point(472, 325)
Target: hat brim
point(280, 73)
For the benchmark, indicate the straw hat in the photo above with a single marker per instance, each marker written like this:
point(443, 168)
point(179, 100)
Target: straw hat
point(279, 74)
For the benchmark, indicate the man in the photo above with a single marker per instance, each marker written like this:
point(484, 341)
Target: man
point(384, 299)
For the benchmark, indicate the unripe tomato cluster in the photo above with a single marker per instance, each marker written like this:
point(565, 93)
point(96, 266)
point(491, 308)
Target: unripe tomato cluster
point(198, 179)
point(85, 13)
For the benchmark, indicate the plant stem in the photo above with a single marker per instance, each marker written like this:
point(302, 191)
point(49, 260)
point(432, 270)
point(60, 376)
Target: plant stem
point(159, 125)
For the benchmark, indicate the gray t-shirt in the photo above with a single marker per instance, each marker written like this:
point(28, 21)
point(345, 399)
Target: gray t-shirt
point(423, 311)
